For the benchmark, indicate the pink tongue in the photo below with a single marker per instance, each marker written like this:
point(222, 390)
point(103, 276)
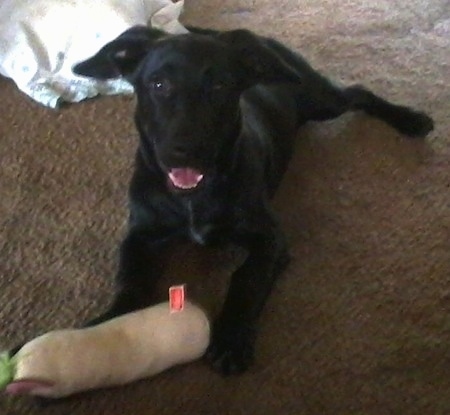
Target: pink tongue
point(185, 178)
point(28, 387)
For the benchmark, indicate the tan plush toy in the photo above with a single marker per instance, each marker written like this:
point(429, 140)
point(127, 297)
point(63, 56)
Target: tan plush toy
point(119, 351)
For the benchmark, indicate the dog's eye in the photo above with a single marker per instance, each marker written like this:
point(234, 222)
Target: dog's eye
point(161, 86)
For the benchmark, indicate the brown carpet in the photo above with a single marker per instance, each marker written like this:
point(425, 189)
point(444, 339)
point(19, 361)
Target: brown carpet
point(360, 322)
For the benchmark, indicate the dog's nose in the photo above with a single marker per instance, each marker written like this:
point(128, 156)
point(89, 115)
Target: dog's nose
point(185, 153)
point(180, 151)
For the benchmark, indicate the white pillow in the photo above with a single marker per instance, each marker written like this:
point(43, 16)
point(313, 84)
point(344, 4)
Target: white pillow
point(40, 41)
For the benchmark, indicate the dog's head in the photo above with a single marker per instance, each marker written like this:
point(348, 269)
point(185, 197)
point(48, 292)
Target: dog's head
point(188, 89)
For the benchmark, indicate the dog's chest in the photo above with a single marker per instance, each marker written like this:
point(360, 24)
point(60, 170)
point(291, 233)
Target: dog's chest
point(206, 221)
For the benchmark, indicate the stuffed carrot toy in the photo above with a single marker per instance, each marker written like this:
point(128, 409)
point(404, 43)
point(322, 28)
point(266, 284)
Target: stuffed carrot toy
point(119, 351)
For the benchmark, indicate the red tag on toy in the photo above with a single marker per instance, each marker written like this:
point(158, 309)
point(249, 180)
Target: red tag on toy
point(176, 298)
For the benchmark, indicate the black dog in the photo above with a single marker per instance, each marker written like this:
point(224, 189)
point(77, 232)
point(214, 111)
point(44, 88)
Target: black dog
point(217, 114)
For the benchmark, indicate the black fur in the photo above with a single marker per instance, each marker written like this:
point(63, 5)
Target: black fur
point(227, 105)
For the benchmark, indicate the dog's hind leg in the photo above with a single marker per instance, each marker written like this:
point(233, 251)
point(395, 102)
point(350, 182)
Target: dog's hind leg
point(319, 99)
point(327, 102)
point(404, 119)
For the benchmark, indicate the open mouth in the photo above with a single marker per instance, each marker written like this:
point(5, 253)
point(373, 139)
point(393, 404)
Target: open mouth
point(185, 178)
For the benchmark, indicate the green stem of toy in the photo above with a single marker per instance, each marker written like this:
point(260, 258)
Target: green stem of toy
point(7, 369)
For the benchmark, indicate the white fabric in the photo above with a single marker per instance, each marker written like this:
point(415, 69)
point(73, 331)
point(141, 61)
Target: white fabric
point(40, 41)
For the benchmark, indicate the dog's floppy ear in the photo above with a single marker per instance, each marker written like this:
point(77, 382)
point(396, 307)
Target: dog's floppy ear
point(260, 59)
point(121, 56)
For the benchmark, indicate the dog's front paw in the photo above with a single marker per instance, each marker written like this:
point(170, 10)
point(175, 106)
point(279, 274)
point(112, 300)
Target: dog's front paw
point(232, 348)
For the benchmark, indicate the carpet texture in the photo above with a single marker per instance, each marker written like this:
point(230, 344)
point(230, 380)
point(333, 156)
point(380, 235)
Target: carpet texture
point(360, 322)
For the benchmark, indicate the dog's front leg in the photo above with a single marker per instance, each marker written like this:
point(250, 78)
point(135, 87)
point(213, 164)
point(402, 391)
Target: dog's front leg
point(232, 344)
point(140, 267)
